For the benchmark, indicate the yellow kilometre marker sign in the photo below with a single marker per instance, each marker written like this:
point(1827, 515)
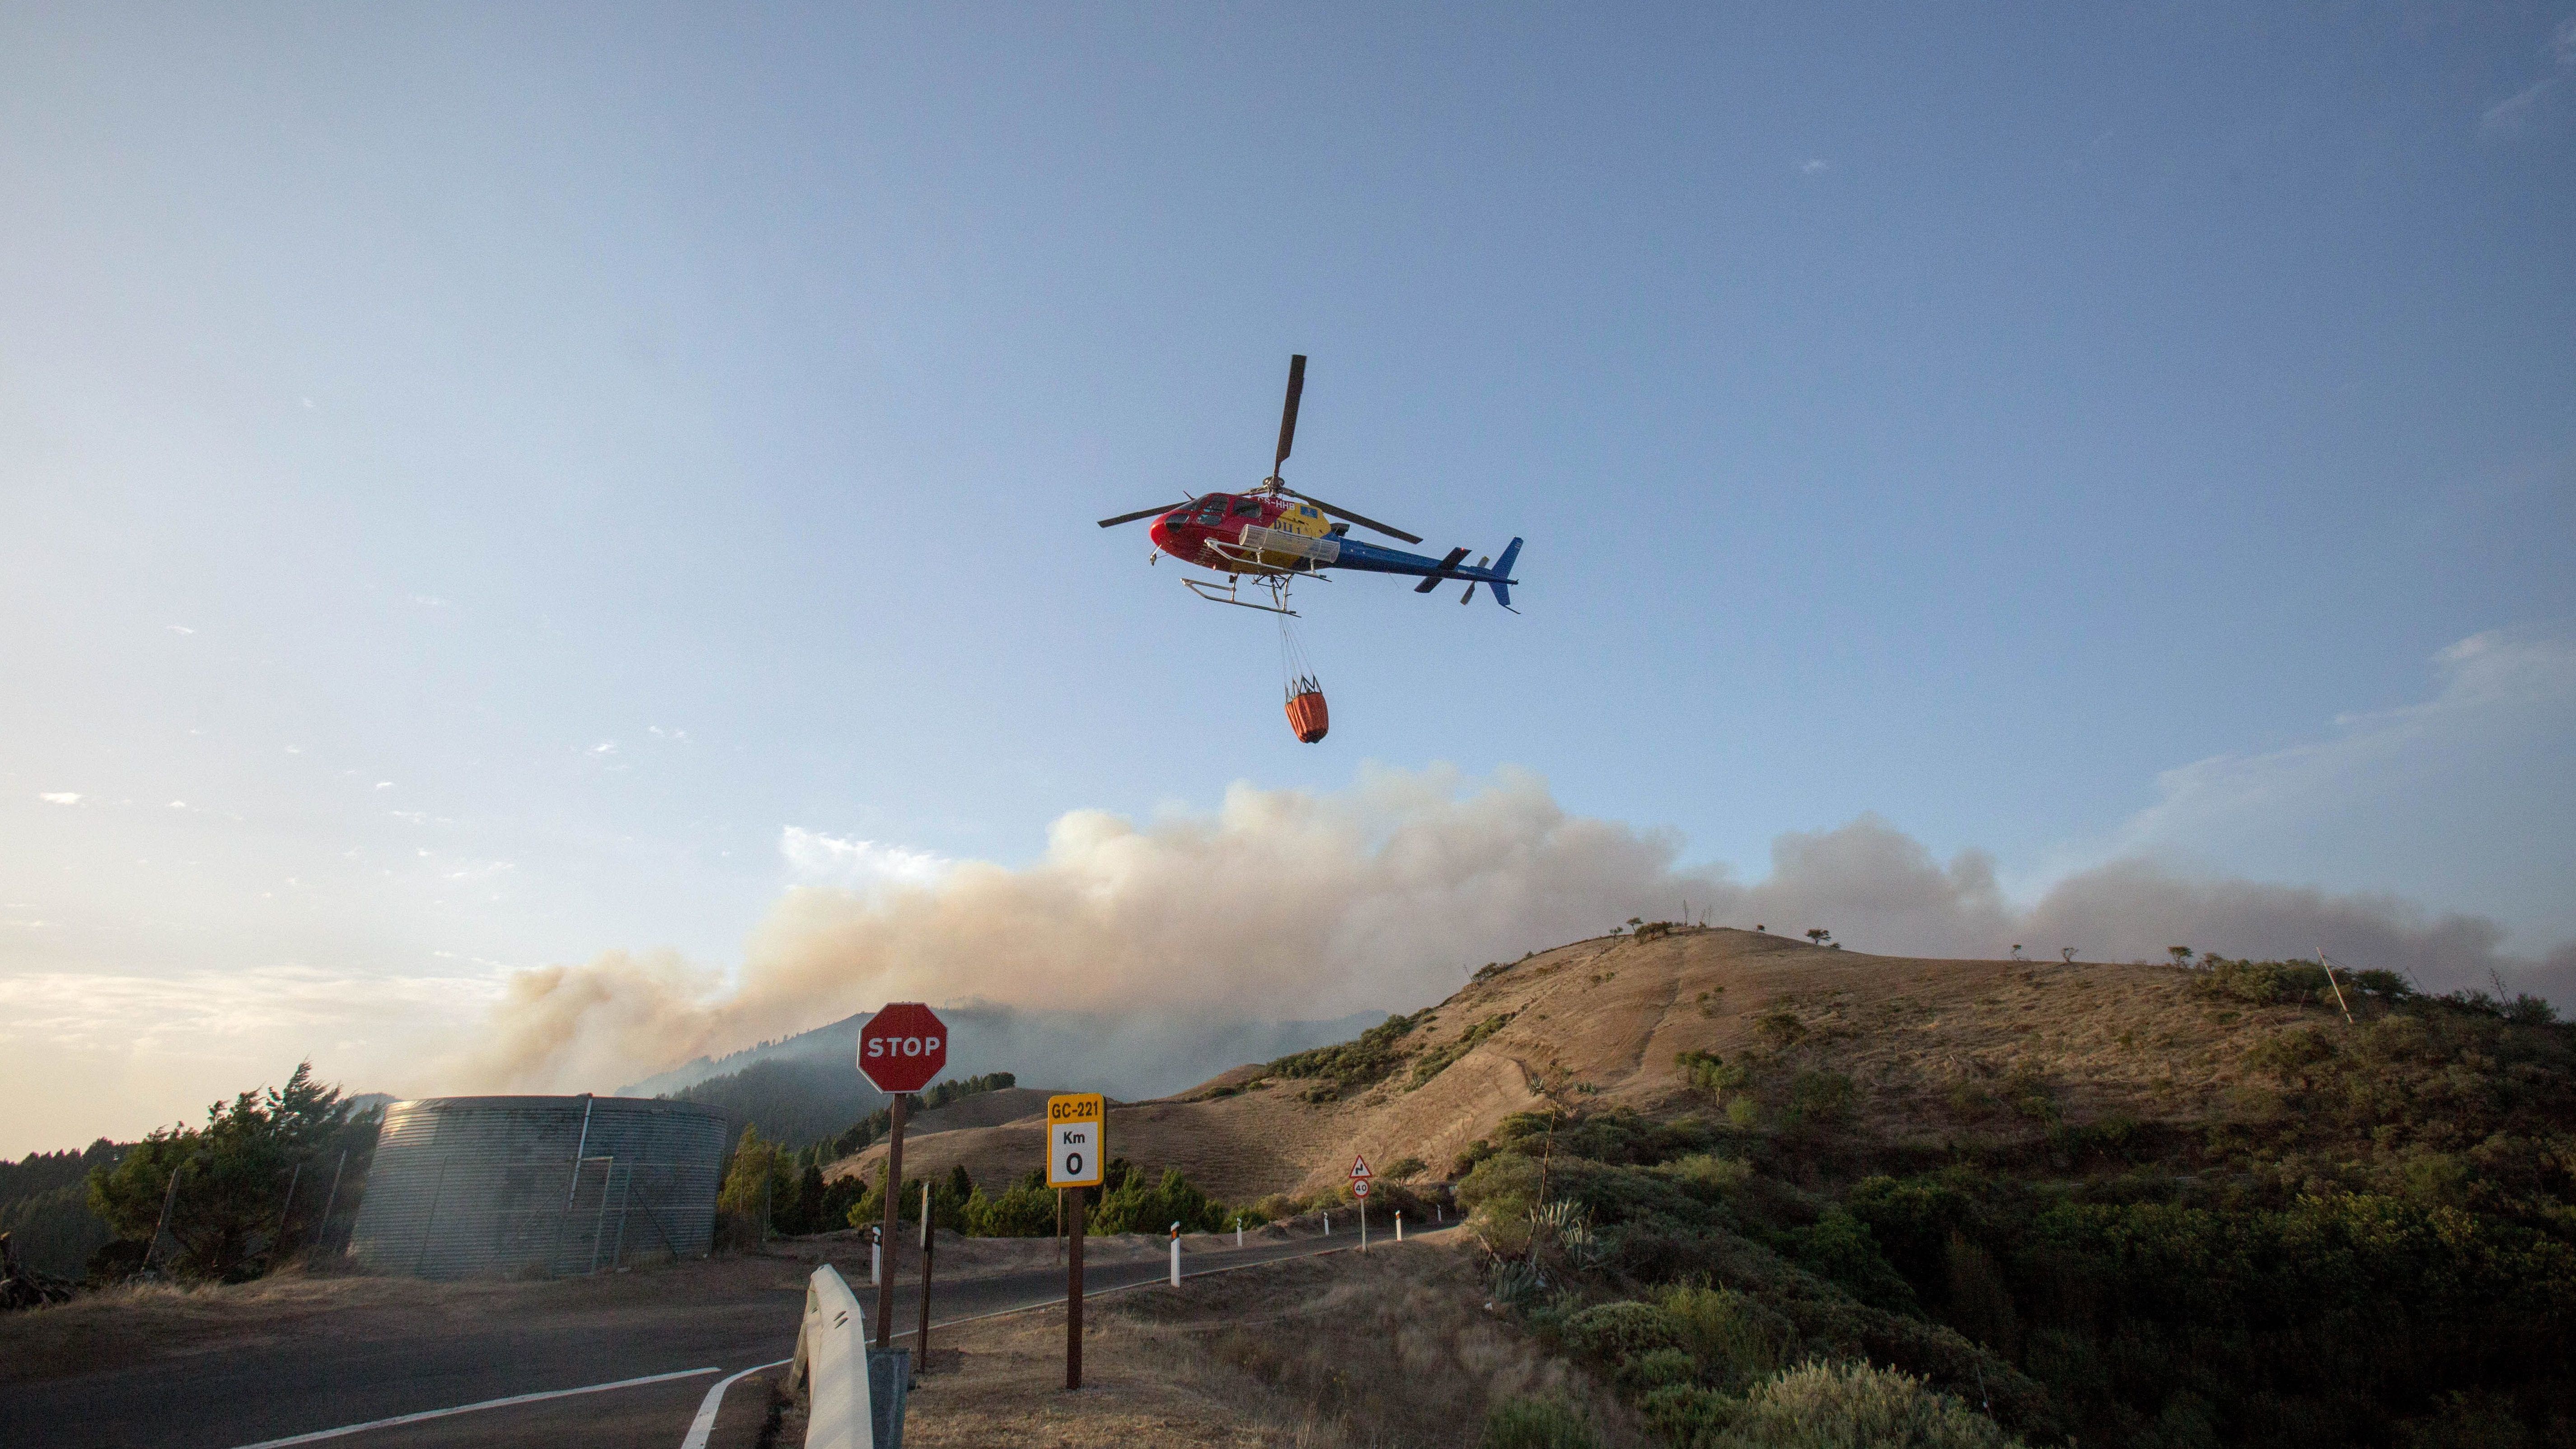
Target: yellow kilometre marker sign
point(1077, 1139)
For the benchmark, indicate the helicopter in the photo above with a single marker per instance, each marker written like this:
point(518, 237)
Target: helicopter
point(1274, 535)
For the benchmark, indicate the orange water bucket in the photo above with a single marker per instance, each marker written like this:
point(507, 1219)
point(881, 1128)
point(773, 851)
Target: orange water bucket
point(1306, 712)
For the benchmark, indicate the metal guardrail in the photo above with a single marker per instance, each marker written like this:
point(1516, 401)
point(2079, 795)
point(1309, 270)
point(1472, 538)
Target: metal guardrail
point(855, 1395)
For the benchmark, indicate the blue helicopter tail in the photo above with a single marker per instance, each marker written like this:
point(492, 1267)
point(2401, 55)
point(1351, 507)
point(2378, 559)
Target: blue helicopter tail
point(1503, 572)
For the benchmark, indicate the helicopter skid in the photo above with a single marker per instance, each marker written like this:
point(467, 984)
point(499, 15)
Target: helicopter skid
point(1226, 595)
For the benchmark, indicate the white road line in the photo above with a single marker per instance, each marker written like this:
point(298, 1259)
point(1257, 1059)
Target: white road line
point(705, 1423)
point(319, 1434)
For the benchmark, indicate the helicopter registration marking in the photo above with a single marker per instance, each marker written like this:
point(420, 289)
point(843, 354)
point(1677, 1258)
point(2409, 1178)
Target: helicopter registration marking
point(1291, 546)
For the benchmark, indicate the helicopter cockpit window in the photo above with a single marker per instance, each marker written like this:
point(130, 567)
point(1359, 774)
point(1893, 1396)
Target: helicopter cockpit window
point(1248, 508)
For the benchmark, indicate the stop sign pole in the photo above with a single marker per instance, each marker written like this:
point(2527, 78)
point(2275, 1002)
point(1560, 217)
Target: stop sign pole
point(900, 1049)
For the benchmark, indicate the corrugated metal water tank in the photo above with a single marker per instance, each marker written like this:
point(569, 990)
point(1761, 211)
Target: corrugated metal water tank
point(465, 1186)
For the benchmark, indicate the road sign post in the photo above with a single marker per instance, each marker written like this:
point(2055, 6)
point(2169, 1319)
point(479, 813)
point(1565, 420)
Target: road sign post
point(1360, 1176)
point(921, 1340)
point(900, 1049)
point(1077, 1146)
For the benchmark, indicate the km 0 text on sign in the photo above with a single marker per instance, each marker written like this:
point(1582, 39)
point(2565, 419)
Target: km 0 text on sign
point(1077, 1139)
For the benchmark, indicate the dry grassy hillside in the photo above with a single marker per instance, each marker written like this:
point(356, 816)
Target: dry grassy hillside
point(1931, 1048)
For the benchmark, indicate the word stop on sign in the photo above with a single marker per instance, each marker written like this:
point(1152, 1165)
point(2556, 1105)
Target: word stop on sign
point(902, 1046)
point(1077, 1139)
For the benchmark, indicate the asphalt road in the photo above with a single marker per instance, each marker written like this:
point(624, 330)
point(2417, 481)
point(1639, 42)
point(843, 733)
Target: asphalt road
point(673, 1321)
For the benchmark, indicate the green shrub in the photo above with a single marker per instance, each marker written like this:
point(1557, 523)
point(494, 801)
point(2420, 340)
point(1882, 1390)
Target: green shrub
point(1026, 1210)
point(1734, 1339)
point(2027, 1092)
point(1840, 1247)
point(1659, 1367)
point(1709, 1171)
point(1686, 1415)
point(1708, 1072)
point(1541, 1423)
point(1821, 1099)
point(1132, 1207)
point(1781, 1028)
point(1433, 1062)
point(1614, 1333)
point(1353, 1064)
point(1504, 1186)
point(1854, 1406)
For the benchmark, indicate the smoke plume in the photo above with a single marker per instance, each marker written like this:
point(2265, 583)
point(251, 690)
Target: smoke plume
point(1295, 905)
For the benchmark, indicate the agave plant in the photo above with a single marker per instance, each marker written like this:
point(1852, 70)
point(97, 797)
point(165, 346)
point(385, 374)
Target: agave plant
point(1518, 1284)
point(1572, 1228)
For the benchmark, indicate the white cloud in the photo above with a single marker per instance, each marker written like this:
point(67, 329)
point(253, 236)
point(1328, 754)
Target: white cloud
point(485, 870)
point(676, 736)
point(2467, 796)
point(384, 784)
point(1814, 167)
point(828, 860)
point(429, 601)
point(2518, 112)
point(181, 629)
point(604, 747)
point(60, 797)
point(178, 804)
point(2513, 115)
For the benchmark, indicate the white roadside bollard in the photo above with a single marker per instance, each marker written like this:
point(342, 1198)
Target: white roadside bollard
point(1328, 1225)
point(876, 1260)
point(1238, 1232)
point(1176, 1255)
point(1399, 1225)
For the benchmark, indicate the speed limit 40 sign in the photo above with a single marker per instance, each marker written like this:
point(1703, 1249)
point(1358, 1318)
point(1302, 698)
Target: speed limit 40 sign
point(1077, 1139)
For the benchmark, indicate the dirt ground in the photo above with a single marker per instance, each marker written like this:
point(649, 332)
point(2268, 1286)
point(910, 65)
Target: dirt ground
point(1394, 1348)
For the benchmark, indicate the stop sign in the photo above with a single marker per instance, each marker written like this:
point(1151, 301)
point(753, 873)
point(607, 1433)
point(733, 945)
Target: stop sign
point(903, 1047)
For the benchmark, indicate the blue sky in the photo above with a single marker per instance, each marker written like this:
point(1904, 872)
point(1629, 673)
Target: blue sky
point(498, 471)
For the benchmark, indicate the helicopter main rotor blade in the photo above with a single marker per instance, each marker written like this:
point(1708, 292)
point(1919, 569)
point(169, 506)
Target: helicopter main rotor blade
point(1344, 513)
point(1139, 513)
point(1288, 414)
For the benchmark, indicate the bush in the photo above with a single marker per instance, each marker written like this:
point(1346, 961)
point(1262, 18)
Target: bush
point(1708, 1072)
point(1659, 1368)
point(1840, 1247)
point(1353, 1064)
point(1821, 1099)
point(1026, 1210)
point(1734, 1339)
point(1545, 1423)
point(1433, 1062)
point(1132, 1207)
point(1709, 1173)
point(1686, 1415)
point(1614, 1333)
point(1501, 1188)
point(1844, 1406)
